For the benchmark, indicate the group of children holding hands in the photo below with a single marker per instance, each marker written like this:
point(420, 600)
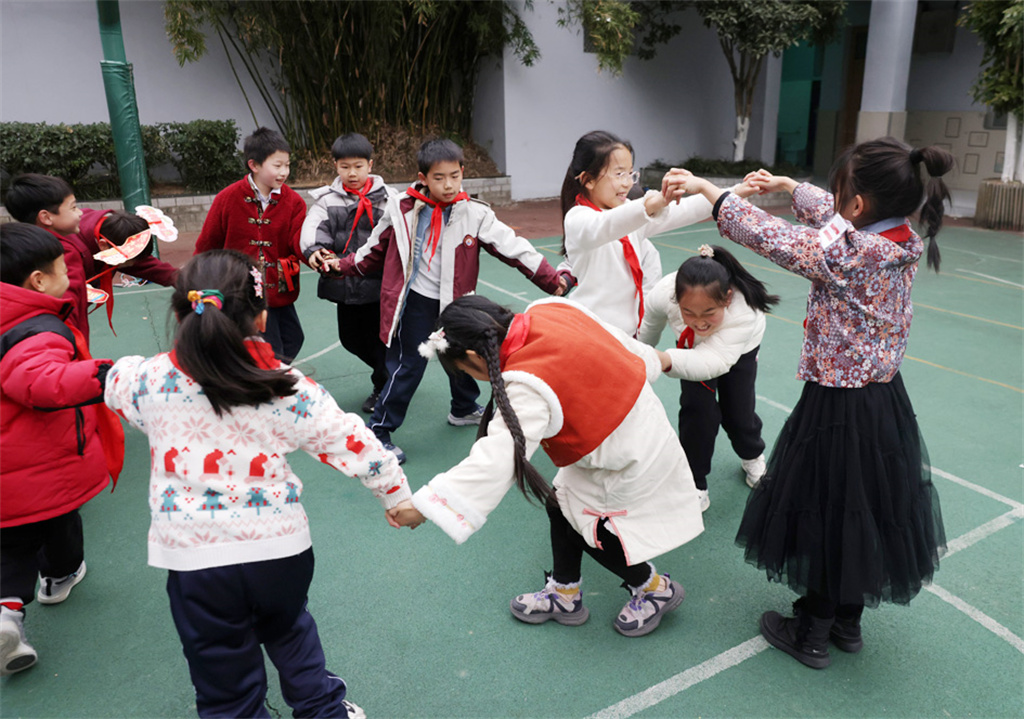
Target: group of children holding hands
point(843, 511)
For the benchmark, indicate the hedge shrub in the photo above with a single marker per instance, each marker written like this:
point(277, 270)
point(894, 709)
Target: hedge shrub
point(204, 152)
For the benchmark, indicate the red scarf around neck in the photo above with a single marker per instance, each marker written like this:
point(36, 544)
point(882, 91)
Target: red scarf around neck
point(436, 217)
point(364, 207)
point(631, 259)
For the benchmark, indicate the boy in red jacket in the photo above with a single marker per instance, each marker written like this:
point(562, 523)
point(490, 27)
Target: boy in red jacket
point(54, 459)
point(262, 217)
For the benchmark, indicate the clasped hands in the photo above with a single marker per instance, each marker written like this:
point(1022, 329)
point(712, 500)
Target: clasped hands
point(404, 514)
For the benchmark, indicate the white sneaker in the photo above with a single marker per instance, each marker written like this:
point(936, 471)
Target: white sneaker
point(473, 418)
point(15, 653)
point(705, 500)
point(755, 469)
point(54, 590)
point(354, 710)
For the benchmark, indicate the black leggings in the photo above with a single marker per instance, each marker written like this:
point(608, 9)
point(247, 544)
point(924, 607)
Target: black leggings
point(568, 546)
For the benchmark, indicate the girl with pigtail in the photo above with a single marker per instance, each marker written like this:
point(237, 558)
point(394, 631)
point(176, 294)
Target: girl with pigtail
point(221, 413)
point(846, 513)
point(563, 380)
point(716, 309)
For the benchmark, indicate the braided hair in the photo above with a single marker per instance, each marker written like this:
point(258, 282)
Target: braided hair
point(478, 324)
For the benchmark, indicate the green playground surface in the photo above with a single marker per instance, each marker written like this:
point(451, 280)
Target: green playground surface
point(419, 626)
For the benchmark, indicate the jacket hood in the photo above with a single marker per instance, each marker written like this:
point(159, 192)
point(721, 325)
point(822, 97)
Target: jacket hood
point(18, 304)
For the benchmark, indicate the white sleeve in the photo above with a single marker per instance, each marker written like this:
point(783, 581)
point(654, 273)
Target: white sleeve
point(718, 353)
point(587, 229)
point(680, 214)
point(121, 392)
point(459, 500)
point(656, 304)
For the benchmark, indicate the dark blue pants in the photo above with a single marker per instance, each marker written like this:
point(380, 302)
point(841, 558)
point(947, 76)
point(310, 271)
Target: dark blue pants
point(224, 614)
point(53, 547)
point(406, 366)
point(701, 412)
point(284, 332)
point(359, 333)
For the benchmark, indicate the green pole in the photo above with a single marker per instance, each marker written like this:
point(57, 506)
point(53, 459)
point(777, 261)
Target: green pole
point(119, 85)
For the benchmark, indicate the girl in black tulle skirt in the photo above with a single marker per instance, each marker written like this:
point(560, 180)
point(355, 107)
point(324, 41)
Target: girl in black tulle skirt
point(846, 513)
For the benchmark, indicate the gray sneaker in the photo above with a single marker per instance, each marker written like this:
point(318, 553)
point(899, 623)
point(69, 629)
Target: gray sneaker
point(538, 607)
point(54, 590)
point(644, 611)
point(466, 420)
point(15, 653)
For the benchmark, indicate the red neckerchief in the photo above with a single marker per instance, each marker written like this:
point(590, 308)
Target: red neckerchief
point(515, 338)
point(106, 277)
point(290, 267)
point(686, 338)
point(631, 259)
point(364, 206)
point(260, 351)
point(898, 234)
point(107, 424)
point(436, 217)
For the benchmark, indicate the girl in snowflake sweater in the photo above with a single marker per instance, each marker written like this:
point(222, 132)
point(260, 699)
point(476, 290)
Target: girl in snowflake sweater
point(221, 414)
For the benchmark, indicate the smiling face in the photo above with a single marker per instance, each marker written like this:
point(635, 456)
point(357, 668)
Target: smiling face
point(353, 171)
point(65, 220)
point(702, 312)
point(53, 281)
point(444, 180)
point(611, 188)
point(272, 173)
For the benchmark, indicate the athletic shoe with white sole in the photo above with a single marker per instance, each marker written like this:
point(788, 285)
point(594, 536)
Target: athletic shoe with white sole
point(705, 500)
point(643, 613)
point(354, 710)
point(15, 653)
point(54, 590)
point(548, 603)
point(466, 420)
point(754, 469)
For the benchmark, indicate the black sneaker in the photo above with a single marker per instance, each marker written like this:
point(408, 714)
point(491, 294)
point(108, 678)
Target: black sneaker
point(371, 402)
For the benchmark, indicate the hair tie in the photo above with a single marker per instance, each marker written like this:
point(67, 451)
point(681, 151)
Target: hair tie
point(257, 281)
point(199, 298)
point(706, 251)
point(916, 156)
point(434, 344)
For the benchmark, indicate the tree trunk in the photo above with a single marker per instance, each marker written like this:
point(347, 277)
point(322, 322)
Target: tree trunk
point(739, 142)
point(1011, 150)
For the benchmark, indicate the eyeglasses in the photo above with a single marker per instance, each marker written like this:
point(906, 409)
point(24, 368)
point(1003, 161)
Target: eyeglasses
point(634, 177)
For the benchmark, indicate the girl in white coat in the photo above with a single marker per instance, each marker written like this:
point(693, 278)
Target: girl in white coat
point(717, 311)
point(577, 387)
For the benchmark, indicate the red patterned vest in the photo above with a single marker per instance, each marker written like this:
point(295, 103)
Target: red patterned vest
point(572, 354)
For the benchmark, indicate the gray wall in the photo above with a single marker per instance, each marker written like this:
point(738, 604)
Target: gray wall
point(50, 68)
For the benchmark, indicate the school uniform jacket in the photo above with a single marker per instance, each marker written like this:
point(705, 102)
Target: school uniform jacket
point(236, 221)
point(594, 255)
point(637, 476)
point(328, 226)
point(471, 226)
point(52, 460)
point(713, 355)
point(859, 309)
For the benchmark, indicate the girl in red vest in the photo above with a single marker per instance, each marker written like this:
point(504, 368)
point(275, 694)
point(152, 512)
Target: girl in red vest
point(717, 311)
point(846, 514)
point(563, 380)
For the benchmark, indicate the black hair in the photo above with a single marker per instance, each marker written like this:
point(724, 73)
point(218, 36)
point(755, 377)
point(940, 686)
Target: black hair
point(717, 274)
point(25, 248)
point(262, 144)
point(589, 157)
point(476, 323)
point(440, 149)
point(210, 345)
point(352, 145)
point(119, 225)
point(31, 193)
point(886, 172)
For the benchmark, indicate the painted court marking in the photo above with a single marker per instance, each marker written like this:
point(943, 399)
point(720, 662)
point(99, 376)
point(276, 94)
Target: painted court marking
point(990, 277)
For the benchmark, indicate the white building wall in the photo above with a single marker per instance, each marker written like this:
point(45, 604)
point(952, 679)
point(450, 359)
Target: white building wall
point(675, 106)
point(50, 68)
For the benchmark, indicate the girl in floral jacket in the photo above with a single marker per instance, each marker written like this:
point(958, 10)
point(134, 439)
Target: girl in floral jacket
point(846, 514)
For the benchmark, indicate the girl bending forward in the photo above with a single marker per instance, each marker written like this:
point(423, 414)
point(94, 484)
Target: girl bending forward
point(563, 380)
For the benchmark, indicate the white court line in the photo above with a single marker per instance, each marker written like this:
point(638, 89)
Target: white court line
point(683, 681)
point(976, 487)
point(773, 403)
point(980, 254)
point(979, 533)
point(990, 277)
point(322, 352)
point(979, 616)
point(521, 296)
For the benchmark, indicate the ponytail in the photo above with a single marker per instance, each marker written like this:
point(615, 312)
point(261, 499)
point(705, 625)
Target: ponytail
point(216, 299)
point(887, 173)
point(717, 271)
point(476, 323)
